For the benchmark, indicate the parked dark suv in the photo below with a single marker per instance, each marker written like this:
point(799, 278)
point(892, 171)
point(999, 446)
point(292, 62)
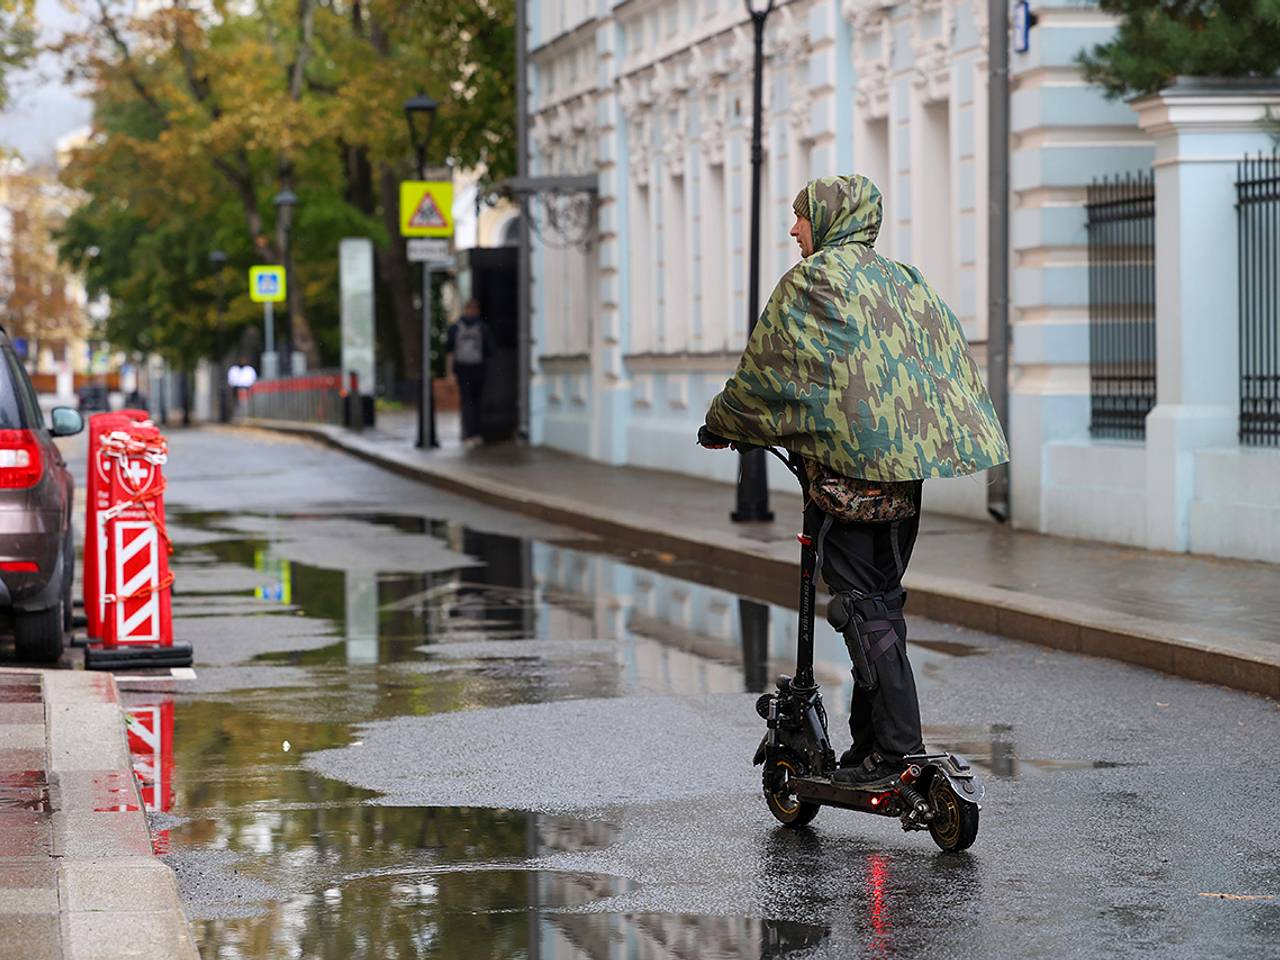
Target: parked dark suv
point(37, 537)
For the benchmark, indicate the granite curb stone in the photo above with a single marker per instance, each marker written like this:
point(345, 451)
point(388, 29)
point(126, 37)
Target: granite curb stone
point(78, 878)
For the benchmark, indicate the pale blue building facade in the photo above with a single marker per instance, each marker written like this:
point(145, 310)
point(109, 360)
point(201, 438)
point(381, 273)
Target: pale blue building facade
point(638, 321)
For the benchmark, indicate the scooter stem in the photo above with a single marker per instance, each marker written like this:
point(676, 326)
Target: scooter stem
point(804, 642)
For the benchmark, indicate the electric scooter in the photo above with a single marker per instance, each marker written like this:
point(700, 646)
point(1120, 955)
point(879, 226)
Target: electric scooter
point(938, 792)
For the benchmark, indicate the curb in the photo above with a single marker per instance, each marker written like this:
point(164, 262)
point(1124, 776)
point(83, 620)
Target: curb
point(115, 899)
point(1220, 658)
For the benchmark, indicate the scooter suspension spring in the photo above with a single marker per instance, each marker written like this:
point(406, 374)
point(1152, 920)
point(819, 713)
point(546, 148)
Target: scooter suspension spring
point(919, 806)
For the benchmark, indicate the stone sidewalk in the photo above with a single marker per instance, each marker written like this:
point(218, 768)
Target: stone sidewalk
point(78, 880)
point(1198, 617)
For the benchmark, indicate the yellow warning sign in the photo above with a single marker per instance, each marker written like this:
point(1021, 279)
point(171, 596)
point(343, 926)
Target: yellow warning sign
point(426, 208)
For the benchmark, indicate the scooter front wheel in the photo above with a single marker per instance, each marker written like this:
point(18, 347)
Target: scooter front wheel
point(786, 807)
point(954, 825)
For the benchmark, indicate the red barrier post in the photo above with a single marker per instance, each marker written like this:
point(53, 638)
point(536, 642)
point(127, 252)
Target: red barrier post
point(97, 492)
point(137, 626)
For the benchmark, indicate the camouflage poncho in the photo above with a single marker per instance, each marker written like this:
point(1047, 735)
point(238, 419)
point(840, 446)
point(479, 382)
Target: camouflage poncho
point(857, 363)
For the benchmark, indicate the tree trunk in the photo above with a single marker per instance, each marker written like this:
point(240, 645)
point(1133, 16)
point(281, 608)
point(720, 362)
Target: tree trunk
point(399, 277)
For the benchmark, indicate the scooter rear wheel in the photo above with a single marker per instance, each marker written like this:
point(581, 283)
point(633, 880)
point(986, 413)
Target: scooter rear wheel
point(785, 806)
point(955, 822)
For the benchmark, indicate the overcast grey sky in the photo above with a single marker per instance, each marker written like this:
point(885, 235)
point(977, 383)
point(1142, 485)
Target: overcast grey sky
point(42, 108)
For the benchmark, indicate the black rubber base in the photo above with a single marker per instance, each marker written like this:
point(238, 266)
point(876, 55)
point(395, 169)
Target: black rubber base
point(98, 657)
point(78, 639)
point(79, 620)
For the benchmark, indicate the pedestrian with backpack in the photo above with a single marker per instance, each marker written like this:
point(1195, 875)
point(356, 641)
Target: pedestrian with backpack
point(470, 347)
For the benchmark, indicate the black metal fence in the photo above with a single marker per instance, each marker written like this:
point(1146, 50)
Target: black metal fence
point(1122, 305)
point(1258, 220)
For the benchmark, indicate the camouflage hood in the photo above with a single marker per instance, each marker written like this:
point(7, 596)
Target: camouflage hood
point(857, 363)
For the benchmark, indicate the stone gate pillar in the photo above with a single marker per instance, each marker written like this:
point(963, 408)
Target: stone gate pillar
point(1201, 129)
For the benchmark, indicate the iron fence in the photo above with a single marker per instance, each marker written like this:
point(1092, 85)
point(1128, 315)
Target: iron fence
point(1122, 300)
point(314, 397)
point(1258, 222)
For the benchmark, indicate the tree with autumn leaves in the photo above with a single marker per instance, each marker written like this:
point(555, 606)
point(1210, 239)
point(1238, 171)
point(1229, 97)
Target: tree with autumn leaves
point(205, 112)
point(17, 40)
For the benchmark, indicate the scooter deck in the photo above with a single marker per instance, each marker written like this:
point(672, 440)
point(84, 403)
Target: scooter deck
point(874, 798)
point(880, 798)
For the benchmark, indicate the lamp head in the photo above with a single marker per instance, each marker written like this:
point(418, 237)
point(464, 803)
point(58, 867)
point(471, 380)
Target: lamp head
point(758, 8)
point(420, 114)
point(218, 258)
point(285, 198)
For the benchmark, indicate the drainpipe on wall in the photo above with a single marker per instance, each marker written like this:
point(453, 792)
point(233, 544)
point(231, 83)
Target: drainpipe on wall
point(998, 501)
point(522, 260)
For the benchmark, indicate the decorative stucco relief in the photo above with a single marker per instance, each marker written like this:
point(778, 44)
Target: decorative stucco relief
point(872, 54)
point(933, 24)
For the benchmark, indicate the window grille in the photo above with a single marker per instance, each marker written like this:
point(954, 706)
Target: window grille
point(1258, 221)
point(1122, 300)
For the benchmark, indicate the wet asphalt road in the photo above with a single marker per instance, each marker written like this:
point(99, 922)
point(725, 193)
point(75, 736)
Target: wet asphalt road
point(421, 727)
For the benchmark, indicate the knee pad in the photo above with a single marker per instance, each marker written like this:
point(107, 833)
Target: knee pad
point(840, 611)
point(869, 621)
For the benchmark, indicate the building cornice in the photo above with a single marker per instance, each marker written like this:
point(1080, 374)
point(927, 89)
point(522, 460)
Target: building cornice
point(1202, 104)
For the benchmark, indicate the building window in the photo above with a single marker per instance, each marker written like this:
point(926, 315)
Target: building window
point(642, 293)
point(715, 278)
point(934, 240)
point(872, 152)
point(675, 255)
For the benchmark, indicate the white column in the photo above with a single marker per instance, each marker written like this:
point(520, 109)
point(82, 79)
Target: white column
point(610, 386)
point(1201, 130)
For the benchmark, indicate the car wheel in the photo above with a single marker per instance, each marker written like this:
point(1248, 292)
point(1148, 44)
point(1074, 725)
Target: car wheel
point(37, 637)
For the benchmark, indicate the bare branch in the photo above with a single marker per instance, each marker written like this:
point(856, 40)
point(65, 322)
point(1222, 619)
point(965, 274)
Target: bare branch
point(108, 24)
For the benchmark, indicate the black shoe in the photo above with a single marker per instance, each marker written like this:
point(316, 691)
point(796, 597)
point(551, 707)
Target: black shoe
point(874, 771)
point(853, 757)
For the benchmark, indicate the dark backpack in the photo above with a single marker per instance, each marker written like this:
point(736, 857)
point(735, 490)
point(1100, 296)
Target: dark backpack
point(468, 344)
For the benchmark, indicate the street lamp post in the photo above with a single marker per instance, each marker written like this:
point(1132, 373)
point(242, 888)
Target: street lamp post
point(753, 485)
point(420, 114)
point(284, 202)
point(218, 260)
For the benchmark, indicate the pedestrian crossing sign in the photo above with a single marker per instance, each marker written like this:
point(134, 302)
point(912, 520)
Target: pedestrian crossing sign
point(266, 284)
point(426, 208)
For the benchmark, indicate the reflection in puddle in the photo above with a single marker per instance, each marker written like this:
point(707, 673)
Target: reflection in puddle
point(499, 913)
point(275, 860)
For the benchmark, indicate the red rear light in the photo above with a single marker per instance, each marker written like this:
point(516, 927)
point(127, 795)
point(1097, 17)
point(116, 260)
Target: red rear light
point(19, 566)
point(20, 465)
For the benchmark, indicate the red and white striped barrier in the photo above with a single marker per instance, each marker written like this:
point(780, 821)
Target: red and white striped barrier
point(137, 614)
point(98, 499)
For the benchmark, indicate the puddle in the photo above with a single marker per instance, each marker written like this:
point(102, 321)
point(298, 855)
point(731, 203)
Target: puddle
point(499, 913)
point(275, 859)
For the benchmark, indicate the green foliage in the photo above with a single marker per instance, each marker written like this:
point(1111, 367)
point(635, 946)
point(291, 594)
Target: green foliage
point(202, 116)
point(1158, 40)
point(17, 39)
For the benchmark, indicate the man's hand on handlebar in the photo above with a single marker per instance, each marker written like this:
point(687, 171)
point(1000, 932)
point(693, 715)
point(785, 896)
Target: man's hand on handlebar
point(712, 441)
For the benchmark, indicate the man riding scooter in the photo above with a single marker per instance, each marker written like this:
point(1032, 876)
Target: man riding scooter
point(859, 368)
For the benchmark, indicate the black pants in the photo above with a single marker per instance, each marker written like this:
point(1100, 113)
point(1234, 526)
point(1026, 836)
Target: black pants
point(860, 559)
point(470, 389)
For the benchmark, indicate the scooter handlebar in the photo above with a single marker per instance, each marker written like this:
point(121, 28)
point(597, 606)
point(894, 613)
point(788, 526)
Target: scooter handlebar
point(713, 441)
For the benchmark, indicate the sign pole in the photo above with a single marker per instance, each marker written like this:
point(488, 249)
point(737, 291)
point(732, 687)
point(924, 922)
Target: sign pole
point(426, 213)
point(269, 361)
point(427, 406)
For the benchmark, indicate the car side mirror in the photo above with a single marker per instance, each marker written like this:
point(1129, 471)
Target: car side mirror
point(65, 422)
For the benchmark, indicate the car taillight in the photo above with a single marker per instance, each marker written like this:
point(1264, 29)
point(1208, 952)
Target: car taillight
point(19, 459)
